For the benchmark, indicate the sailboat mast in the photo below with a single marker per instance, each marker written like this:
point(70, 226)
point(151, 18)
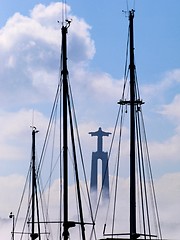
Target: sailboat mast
point(65, 141)
point(33, 181)
point(67, 112)
point(132, 131)
point(33, 234)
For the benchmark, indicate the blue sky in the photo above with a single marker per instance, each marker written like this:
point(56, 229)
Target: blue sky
point(29, 50)
point(158, 31)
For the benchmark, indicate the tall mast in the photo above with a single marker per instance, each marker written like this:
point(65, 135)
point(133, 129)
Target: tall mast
point(132, 132)
point(67, 115)
point(33, 234)
point(139, 160)
point(65, 143)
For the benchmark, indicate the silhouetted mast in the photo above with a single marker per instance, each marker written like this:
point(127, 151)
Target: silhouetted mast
point(65, 143)
point(146, 220)
point(132, 131)
point(34, 188)
point(67, 113)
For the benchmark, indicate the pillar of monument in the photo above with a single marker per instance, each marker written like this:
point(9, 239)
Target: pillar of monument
point(102, 156)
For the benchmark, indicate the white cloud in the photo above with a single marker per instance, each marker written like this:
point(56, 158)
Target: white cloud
point(106, 88)
point(167, 190)
point(30, 48)
point(172, 110)
point(15, 138)
point(81, 46)
point(167, 197)
point(11, 188)
point(173, 76)
point(167, 150)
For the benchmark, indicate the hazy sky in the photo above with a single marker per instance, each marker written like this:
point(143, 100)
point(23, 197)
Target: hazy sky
point(29, 65)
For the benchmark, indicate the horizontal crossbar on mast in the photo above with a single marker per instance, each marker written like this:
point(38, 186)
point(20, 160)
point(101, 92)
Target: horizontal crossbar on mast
point(136, 102)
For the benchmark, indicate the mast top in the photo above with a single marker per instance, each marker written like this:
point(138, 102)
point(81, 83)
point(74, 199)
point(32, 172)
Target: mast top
point(34, 129)
point(131, 14)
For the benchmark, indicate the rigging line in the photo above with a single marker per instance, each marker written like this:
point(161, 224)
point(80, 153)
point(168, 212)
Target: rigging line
point(22, 197)
point(43, 187)
point(114, 132)
point(148, 213)
point(82, 161)
point(140, 177)
point(141, 160)
point(112, 141)
point(37, 209)
point(126, 68)
point(149, 167)
point(127, 5)
point(118, 168)
point(26, 217)
point(139, 201)
point(76, 170)
point(106, 168)
point(121, 113)
point(60, 163)
point(84, 197)
point(60, 229)
point(43, 202)
point(123, 94)
point(81, 154)
point(51, 115)
point(134, 5)
point(64, 11)
point(52, 157)
point(136, 86)
point(48, 131)
point(76, 198)
point(32, 117)
point(145, 187)
point(153, 199)
point(151, 177)
point(29, 196)
point(93, 233)
point(126, 71)
point(50, 175)
point(43, 205)
point(124, 87)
